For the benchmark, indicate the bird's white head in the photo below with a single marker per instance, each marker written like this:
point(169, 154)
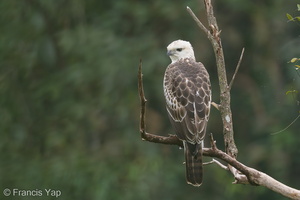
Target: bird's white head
point(180, 49)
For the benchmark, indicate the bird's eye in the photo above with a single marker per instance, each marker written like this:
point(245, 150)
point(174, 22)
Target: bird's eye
point(179, 49)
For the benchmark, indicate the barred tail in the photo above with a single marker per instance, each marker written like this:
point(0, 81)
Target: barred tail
point(193, 162)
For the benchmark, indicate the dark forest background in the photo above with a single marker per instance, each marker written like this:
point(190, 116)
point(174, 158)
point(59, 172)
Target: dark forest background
point(69, 107)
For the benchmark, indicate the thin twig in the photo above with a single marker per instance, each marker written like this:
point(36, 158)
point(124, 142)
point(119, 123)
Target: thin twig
point(143, 100)
point(216, 162)
point(198, 22)
point(236, 69)
point(287, 126)
point(171, 139)
point(212, 141)
point(215, 105)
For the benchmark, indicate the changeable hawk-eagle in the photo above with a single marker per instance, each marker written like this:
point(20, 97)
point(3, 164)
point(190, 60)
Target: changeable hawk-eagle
point(187, 91)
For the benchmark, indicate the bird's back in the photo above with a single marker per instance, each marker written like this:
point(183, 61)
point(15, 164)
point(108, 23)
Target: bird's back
point(188, 94)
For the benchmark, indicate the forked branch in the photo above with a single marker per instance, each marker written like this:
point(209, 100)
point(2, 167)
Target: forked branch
point(213, 34)
point(171, 139)
point(242, 173)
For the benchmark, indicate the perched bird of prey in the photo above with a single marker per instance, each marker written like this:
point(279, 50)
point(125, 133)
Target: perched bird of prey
point(187, 91)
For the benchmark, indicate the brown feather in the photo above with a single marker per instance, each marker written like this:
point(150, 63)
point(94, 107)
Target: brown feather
point(187, 91)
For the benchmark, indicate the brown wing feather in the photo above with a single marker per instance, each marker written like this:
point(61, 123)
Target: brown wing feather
point(188, 95)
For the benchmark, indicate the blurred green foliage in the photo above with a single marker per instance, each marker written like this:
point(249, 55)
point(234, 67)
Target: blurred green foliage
point(296, 18)
point(69, 106)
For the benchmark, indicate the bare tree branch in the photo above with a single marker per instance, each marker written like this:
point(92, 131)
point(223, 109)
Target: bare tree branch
point(224, 107)
point(287, 126)
point(199, 23)
point(215, 105)
point(242, 173)
point(236, 70)
point(216, 162)
point(253, 176)
point(171, 139)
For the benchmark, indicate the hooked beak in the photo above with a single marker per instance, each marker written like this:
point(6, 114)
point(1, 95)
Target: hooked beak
point(170, 53)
